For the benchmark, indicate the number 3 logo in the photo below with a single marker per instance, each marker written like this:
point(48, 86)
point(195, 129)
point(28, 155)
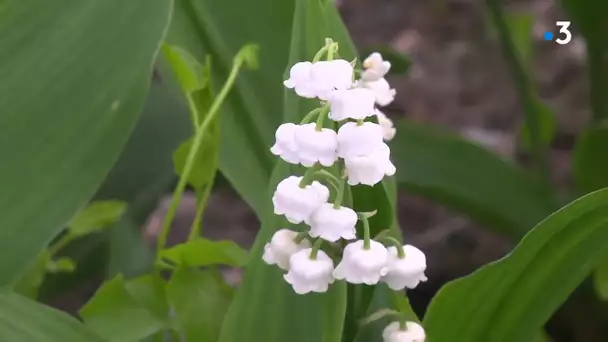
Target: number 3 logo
point(564, 29)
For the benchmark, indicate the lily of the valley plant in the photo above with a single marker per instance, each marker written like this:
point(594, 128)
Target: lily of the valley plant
point(339, 134)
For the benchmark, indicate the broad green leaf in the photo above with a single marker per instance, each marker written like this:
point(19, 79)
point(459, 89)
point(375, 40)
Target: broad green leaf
point(511, 299)
point(30, 282)
point(114, 314)
point(22, 319)
point(468, 178)
point(96, 216)
point(67, 110)
point(205, 166)
point(600, 280)
point(149, 291)
point(203, 252)
point(590, 165)
point(200, 300)
point(190, 73)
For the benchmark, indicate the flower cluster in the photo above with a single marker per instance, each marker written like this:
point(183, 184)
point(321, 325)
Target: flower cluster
point(357, 149)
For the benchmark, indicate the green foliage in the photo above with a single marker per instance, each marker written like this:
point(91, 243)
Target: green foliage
point(468, 178)
point(510, 300)
point(200, 300)
point(590, 165)
point(117, 315)
point(59, 133)
point(96, 216)
point(22, 319)
point(203, 252)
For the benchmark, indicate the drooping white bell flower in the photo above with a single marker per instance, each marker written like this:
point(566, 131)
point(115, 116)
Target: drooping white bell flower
point(388, 128)
point(354, 139)
point(285, 145)
point(383, 92)
point(362, 266)
point(329, 76)
point(375, 67)
point(300, 80)
point(369, 169)
point(356, 103)
point(332, 224)
point(309, 275)
point(281, 247)
point(414, 332)
point(316, 146)
point(296, 203)
point(405, 272)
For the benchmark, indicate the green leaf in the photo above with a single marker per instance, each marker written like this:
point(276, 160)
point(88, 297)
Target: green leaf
point(22, 319)
point(600, 280)
point(190, 73)
point(63, 264)
point(96, 216)
point(200, 300)
point(468, 178)
point(590, 165)
point(114, 314)
point(149, 292)
point(547, 125)
point(30, 282)
point(205, 166)
point(203, 252)
point(520, 25)
point(69, 109)
point(511, 299)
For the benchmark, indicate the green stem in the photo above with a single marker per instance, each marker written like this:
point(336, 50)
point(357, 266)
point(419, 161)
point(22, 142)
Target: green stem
point(63, 241)
point(197, 225)
point(340, 194)
point(524, 88)
point(331, 179)
point(310, 116)
point(366, 233)
point(196, 145)
point(360, 122)
point(308, 175)
point(396, 243)
point(193, 110)
point(333, 48)
point(300, 237)
point(315, 249)
point(322, 116)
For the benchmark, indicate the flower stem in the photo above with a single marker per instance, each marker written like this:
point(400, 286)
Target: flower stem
point(308, 118)
point(308, 175)
point(315, 249)
point(340, 194)
point(360, 122)
point(366, 233)
point(397, 244)
point(331, 179)
point(300, 237)
point(321, 117)
point(195, 230)
point(196, 145)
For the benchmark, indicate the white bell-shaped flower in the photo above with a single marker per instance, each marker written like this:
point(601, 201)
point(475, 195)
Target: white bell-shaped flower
point(362, 266)
point(388, 128)
point(354, 139)
point(375, 67)
point(297, 203)
point(407, 271)
point(309, 275)
point(332, 224)
point(300, 80)
point(414, 332)
point(285, 145)
point(329, 76)
point(383, 92)
point(316, 146)
point(281, 247)
point(369, 169)
point(356, 103)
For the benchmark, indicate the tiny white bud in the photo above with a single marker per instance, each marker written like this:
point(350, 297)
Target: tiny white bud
point(309, 275)
point(414, 332)
point(281, 247)
point(375, 67)
point(405, 272)
point(388, 128)
point(383, 93)
point(332, 224)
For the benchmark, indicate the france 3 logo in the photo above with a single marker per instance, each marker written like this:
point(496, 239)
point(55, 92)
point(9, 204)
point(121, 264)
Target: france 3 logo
point(564, 35)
